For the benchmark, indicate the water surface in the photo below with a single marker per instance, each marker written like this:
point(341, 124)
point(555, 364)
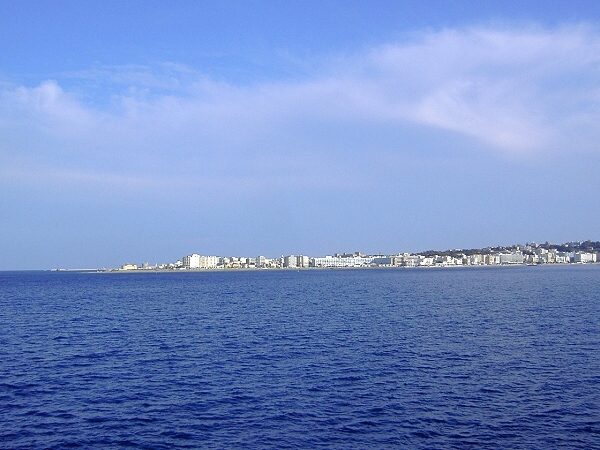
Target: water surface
point(438, 358)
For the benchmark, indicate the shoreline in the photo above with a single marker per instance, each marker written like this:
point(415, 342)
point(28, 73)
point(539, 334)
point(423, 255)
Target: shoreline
point(309, 269)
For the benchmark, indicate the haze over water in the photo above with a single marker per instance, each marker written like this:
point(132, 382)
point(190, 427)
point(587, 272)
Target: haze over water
point(450, 358)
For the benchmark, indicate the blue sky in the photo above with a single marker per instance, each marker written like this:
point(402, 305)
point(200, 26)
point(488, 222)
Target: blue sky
point(142, 131)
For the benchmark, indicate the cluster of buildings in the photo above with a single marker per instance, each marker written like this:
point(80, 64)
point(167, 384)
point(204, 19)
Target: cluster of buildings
point(530, 254)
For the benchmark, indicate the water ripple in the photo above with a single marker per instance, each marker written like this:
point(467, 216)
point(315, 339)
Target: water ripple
point(473, 358)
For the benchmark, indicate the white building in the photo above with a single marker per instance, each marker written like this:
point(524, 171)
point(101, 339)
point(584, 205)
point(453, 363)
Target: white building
point(444, 260)
point(236, 262)
point(532, 259)
point(340, 261)
point(583, 258)
point(191, 261)
point(209, 262)
point(475, 260)
point(491, 260)
point(302, 261)
point(383, 260)
point(512, 258)
point(426, 261)
point(196, 261)
point(550, 257)
point(397, 260)
point(289, 261)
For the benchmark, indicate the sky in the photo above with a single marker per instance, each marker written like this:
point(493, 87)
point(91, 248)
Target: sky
point(146, 130)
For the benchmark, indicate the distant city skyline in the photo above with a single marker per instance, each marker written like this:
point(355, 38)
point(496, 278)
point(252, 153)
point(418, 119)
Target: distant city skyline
point(140, 130)
point(577, 252)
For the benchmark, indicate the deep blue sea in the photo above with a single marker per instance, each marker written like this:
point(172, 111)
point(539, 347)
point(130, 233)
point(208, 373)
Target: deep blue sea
point(408, 358)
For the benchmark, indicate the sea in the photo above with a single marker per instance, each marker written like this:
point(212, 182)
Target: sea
point(490, 357)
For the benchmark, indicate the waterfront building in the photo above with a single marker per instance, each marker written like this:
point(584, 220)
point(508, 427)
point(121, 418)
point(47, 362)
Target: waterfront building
point(411, 261)
point(236, 262)
point(550, 257)
point(512, 258)
point(129, 266)
point(583, 258)
point(289, 261)
point(426, 261)
point(444, 260)
point(260, 262)
point(191, 261)
point(209, 262)
point(302, 261)
point(397, 260)
point(491, 259)
point(271, 263)
point(340, 261)
point(383, 260)
point(475, 260)
point(196, 261)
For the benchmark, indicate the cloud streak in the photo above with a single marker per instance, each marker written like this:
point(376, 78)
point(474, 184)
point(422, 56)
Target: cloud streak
point(521, 92)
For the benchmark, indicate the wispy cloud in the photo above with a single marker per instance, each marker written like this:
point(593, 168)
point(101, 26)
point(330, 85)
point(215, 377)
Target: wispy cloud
point(509, 91)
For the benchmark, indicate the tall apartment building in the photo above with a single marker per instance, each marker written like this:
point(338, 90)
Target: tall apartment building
point(191, 261)
point(302, 261)
point(289, 261)
point(196, 261)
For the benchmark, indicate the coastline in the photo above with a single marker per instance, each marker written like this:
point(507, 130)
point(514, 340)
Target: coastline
point(309, 269)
